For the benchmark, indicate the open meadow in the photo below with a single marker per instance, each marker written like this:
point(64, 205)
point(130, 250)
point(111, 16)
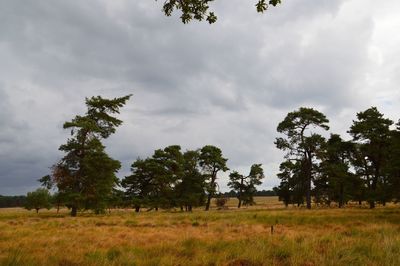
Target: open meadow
point(350, 236)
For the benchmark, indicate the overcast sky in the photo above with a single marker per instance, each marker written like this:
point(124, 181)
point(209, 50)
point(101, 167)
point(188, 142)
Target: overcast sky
point(228, 84)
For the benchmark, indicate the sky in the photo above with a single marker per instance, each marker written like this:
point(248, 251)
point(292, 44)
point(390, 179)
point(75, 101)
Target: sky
point(228, 84)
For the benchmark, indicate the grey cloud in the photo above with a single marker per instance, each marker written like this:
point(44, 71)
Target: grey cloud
point(228, 84)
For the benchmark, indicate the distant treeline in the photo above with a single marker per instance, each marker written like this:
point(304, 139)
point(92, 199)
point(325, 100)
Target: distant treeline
point(12, 201)
point(20, 201)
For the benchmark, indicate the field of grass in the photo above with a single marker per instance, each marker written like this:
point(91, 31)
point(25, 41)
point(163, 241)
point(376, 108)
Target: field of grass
point(352, 236)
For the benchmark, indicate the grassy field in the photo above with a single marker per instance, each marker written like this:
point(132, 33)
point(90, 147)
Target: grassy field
point(352, 236)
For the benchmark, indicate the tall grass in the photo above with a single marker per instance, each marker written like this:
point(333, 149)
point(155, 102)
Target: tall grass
point(352, 236)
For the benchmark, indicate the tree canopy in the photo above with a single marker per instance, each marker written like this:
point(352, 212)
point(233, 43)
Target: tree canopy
point(302, 146)
point(86, 174)
point(38, 199)
point(245, 186)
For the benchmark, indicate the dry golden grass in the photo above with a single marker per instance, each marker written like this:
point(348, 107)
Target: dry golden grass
point(352, 236)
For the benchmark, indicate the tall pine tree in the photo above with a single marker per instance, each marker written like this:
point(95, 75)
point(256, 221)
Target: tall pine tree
point(86, 174)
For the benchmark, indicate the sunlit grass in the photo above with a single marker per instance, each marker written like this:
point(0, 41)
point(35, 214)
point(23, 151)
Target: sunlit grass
point(352, 236)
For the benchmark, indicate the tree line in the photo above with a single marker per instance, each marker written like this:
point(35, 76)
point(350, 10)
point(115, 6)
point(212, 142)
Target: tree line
point(365, 168)
point(85, 178)
point(12, 201)
point(315, 169)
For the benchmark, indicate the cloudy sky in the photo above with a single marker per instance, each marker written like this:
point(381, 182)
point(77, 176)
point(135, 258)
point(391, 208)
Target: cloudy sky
point(228, 84)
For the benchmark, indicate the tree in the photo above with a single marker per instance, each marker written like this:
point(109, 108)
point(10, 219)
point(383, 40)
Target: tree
point(190, 192)
point(299, 145)
point(371, 132)
point(245, 186)
point(292, 187)
point(139, 186)
point(38, 199)
point(86, 174)
point(116, 199)
point(336, 162)
point(211, 162)
point(199, 9)
point(393, 166)
point(154, 181)
point(57, 200)
point(168, 175)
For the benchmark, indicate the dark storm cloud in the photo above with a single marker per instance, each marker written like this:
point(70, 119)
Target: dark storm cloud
point(228, 84)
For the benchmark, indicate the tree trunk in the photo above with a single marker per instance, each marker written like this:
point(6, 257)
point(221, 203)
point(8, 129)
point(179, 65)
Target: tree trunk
point(341, 197)
point(211, 192)
point(74, 211)
point(374, 186)
point(308, 165)
point(308, 193)
point(208, 201)
point(240, 193)
point(372, 204)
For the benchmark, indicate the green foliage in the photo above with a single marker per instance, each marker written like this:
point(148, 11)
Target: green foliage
point(170, 178)
point(86, 174)
point(154, 180)
point(302, 146)
point(211, 161)
point(38, 199)
point(293, 185)
point(199, 9)
point(336, 182)
point(245, 186)
point(12, 201)
point(190, 192)
point(372, 134)
point(392, 168)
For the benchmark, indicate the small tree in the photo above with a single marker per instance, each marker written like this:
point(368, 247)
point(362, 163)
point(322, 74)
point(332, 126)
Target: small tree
point(212, 162)
point(245, 185)
point(38, 199)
